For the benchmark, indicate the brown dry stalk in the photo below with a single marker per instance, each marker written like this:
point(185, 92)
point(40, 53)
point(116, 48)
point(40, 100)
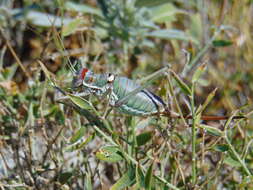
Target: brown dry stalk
point(14, 54)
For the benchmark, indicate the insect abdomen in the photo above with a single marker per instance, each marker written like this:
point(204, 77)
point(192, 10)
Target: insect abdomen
point(141, 104)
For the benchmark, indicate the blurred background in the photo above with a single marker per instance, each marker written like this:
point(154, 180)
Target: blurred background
point(45, 144)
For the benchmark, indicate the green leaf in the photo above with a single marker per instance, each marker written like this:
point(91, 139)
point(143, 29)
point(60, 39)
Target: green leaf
point(90, 138)
point(181, 84)
point(82, 8)
point(144, 138)
point(78, 135)
point(230, 161)
point(109, 154)
point(64, 177)
point(125, 181)
point(207, 101)
point(212, 130)
point(222, 43)
point(221, 147)
point(198, 73)
point(60, 117)
point(82, 103)
point(150, 3)
point(79, 145)
point(164, 13)
point(71, 27)
point(140, 178)
point(46, 20)
point(149, 177)
point(88, 182)
point(196, 27)
point(169, 34)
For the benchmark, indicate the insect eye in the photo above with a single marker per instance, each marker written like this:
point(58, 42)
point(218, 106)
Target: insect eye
point(110, 78)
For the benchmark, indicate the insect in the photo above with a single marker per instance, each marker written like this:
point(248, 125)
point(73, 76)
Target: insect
point(128, 96)
point(115, 88)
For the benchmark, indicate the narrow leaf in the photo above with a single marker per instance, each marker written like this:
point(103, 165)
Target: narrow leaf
point(185, 89)
point(207, 101)
point(125, 181)
point(140, 178)
point(165, 13)
point(143, 138)
point(46, 20)
point(109, 154)
point(222, 43)
point(90, 138)
point(212, 130)
point(79, 145)
point(78, 135)
point(170, 34)
point(88, 183)
point(82, 103)
point(221, 147)
point(198, 73)
point(149, 177)
point(71, 27)
point(230, 161)
point(82, 8)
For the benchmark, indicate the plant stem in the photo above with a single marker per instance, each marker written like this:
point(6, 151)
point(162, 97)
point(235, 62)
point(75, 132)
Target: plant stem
point(193, 135)
point(200, 54)
point(225, 136)
point(237, 156)
point(109, 139)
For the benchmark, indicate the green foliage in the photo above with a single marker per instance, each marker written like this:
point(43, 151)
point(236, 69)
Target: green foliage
point(50, 137)
point(125, 181)
point(143, 138)
point(109, 154)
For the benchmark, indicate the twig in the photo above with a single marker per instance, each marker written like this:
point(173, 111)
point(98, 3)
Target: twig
point(65, 53)
point(14, 54)
point(194, 164)
point(49, 146)
point(132, 159)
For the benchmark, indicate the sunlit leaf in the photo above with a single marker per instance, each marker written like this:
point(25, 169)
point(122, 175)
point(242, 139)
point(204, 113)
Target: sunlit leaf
point(46, 20)
point(164, 13)
point(109, 154)
point(82, 8)
point(78, 135)
point(79, 145)
point(170, 34)
point(71, 27)
point(82, 144)
point(212, 130)
point(81, 102)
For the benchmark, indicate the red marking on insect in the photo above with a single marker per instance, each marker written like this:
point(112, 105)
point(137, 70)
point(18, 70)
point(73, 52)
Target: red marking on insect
point(83, 73)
